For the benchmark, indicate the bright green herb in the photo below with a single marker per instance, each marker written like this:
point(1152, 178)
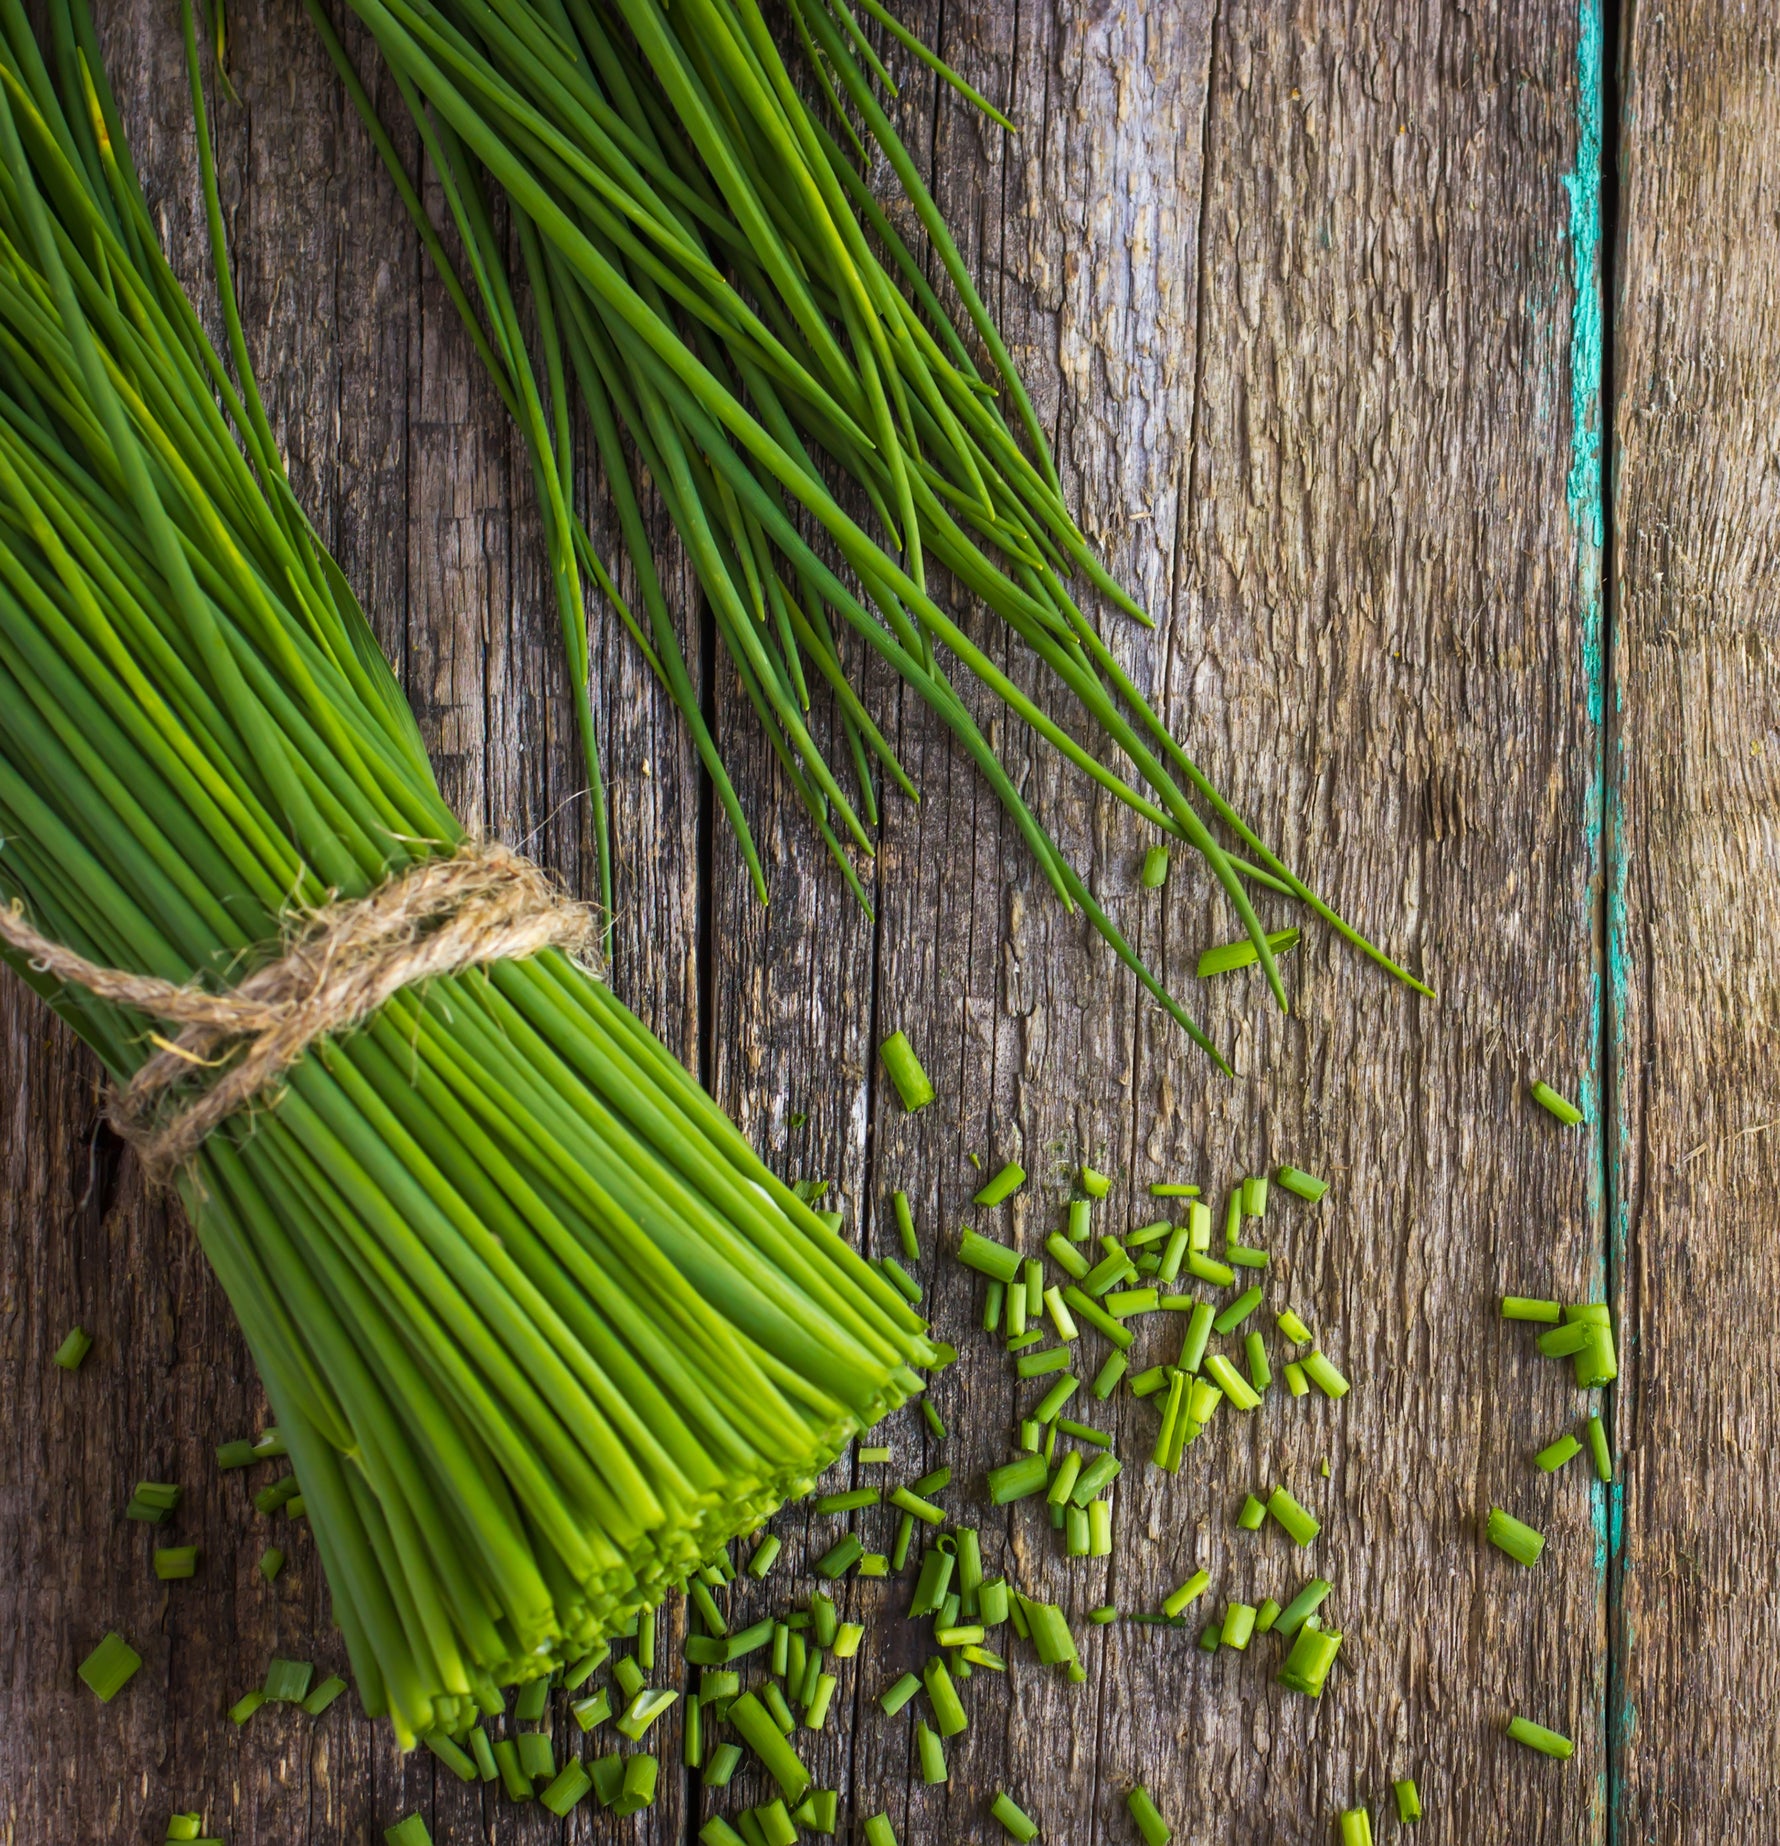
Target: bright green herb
point(1300, 1525)
point(765, 1554)
point(271, 1563)
point(173, 1562)
point(534, 1698)
point(1095, 1185)
point(1296, 1382)
point(1003, 1186)
point(110, 1667)
point(899, 1694)
point(1254, 1196)
point(905, 1226)
point(1356, 1828)
point(287, 1681)
point(1548, 1099)
point(1260, 1373)
point(1230, 1381)
point(643, 1710)
point(1562, 1341)
point(1598, 1450)
point(1323, 1374)
point(1097, 1317)
point(723, 1763)
point(1553, 1457)
point(1051, 1404)
point(567, 1790)
point(1245, 1256)
point(1209, 1269)
point(1084, 1432)
point(74, 1349)
point(932, 1754)
point(1014, 1821)
point(1237, 1311)
point(330, 1689)
point(459, 1762)
point(1266, 1615)
point(1307, 1665)
point(1149, 1822)
point(1294, 1329)
point(900, 1279)
point(845, 1502)
point(1253, 1514)
point(942, 1695)
point(1230, 956)
point(239, 1454)
point(1521, 1542)
point(912, 1083)
point(1305, 1185)
point(245, 1706)
point(879, 1832)
point(411, 1831)
point(1199, 1325)
point(988, 1257)
point(1528, 1307)
point(763, 1736)
point(912, 1504)
point(1155, 868)
point(1537, 1737)
point(1239, 1625)
point(1211, 1637)
point(1037, 1364)
point(154, 1502)
point(1409, 1802)
point(839, 1558)
point(1190, 1591)
point(1302, 1606)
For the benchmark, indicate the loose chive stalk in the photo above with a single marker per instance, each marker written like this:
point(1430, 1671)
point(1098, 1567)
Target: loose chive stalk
point(766, 1554)
point(1563, 1341)
point(942, 1696)
point(330, 1689)
point(1305, 1185)
point(1178, 1599)
point(898, 1695)
point(1323, 1374)
point(1084, 1432)
point(1300, 1525)
point(1239, 1625)
point(722, 1765)
point(1245, 1256)
point(1149, 1381)
point(1549, 1100)
point(989, 1258)
point(1095, 1185)
point(1229, 956)
point(1409, 1802)
point(73, 1349)
point(1294, 1329)
point(1155, 868)
point(1555, 1454)
point(1015, 1822)
point(458, 1761)
point(596, 1708)
point(1050, 1406)
point(1063, 1481)
point(1171, 1189)
point(911, 1081)
point(1063, 1253)
point(1266, 1615)
point(409, 1831)
point(1231, 1382)
point(1254, 1196)
point(1260, 1373)
point(1147, 1817)
point(1537, 1737)
point(238, 1454)
point(900, 1279)
point(1236, 1312)
point(1211, 1637)
point(1003, 1186)
point(1253, 1514)
point(1034, 1272)
point(1199, 1226)
point(847, 1501)
point(1168, 1270)
point(1209, 1269)
point(1097, 1317)
point(1051, 1639)
point(567, 1790)
point(906, 1501)
point(936, 1427)
point(758, 1730)
point(1303, 1606)
point(1356, 1827)
point(1530, 1307)
point(992, 1602)
point(245, 1706)
point(1122, 1303)
point(933, 1583)
point(1307, 1665)
point(287, 1681)
point(1107, 1378)
point(1296, 1382)
point(110, 1667)
point(1598, 1449)
point(932, 1754)
point(1521, 1542)
point(1193, 1344)
point(840, 1557)
point(173, 1562)
point(879, 1832)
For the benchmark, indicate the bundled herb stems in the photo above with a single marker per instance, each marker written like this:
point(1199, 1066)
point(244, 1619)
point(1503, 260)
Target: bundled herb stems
point(539, 1329)
point(715, 285)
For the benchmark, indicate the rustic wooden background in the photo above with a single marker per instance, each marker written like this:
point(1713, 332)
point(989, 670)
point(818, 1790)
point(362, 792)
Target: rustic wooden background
point(1323, 301)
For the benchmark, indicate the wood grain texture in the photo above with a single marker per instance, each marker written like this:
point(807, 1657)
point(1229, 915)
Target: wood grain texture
point(1292, 285)
point(1696, 1706)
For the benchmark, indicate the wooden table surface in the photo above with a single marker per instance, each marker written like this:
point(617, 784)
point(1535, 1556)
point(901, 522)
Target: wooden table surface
point(1422, 379)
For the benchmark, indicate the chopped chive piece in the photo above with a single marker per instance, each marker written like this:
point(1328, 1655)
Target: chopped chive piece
point(900, 1279)
point(912, 1503)
point(1109, 1375)
point(1003, 1186)
point(1169, 1189)
point(74, 1349)
point(270, 1442)
point(1301, 1525)
point(746, 1641)
point(942, 1695)
point(1084, 1432)
point(1202, 1400)
point(765, 1554)
point(1063, 1481)
point(276, 1494)
point(1081, 1223)
point(1302, 1606)
point(1065, 1255)
point(638, 1791)
point(1097, 1317)
point(1192, 1346)
point(993, 1296)
point(1308, 1664)
point(238, 1454)
point(1051, 1404)
point(1199, 1226)
point(1017, 1824)
point(990, 1258)
point(1409, 1802)
point(1230, 1381)
point(835, 1220)
point(1107, 1612)
point(1209, 1269)
point(899, 1694)
point(905, 1532)
point(1095, 1185)
point(1356, 1828)
point(1237, 1311)
point(1596, 1363)
point(1061, 1318)
point(847, 1502)
point(847, 1637)
point(110, 1667)
point(1190, 1591)
point(932, 1754)
point(1245, 1256)
point(1266, 1616)
point(1124, 1302)
point(1597, 1443)
point(1168, 1270)
point(1035, 1288)
point(1537, 1737)
point(1147, 1819)
point(761, 1733)
point(1037, 1364)
point(1211, 1637)
point(1239, 1625)
point(1296, 1382)
point(822, 1618)
point(1233, 955)
point(879, 1832)
point(567, 1790)
point(245, 1706)
point(716, 1683)
point(271, 1563)
point(1293, 1328)
point(1111, 1269)
point(1021, 1341)
point(325, 1694)
point(287, 1681)
point(1547, 1098)
point(871, 1453)
point(1253, 1514)
point(1148, 1383)
point(905, 1225)
point(596, 1708)
point(173, 1562)
point(1324, 1375)
point(723, 1763)
point(1521, 1542)
point(153, 1502)
point(534, 1696)
point(181, 1827)
point(643, 1710)
point(1151, 1233)
point(458, 1761)
point(1530, 1307)
point(1553, 1457)
point(912, 1083)
point(1254, 1196)
point(514, 1777)
point(1098, 1473)
point(629, 1677)
point(932, 1482)
point(1305, 1185)
point(933, 1583)
point(841, 1557)
point(1051, 1639)
point(411, 1831)
point(1260, 1373)
point(1155, 868)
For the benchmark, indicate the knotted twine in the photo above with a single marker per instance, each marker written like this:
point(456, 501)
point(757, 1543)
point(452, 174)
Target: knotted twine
point(340, 963)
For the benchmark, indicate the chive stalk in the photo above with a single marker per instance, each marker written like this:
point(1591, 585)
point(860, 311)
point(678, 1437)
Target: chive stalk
point(911, 1081)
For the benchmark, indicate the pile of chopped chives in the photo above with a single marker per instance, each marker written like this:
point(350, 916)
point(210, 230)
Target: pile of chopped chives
point(539, 1329)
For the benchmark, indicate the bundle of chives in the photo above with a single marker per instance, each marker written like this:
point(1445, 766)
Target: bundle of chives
point(539, 1329)
point(715, 281)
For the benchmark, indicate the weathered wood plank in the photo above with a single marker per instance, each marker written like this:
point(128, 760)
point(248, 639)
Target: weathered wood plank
point(1694, 925)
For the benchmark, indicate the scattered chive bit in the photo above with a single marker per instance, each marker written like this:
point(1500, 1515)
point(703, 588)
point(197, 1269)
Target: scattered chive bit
point(932, 1754)
point(835, 1220)
point(899, 1694)
point(1293, 1328)
point(989, 1257)
point(1107, 1612)
point(1253, 1514)
point(458, 1761)
point(1356, 1828)
point(900, 1279)
point(1155, 868)
point(725, 1760)
point(184, 1826)
point(245, 1706)
point(931, 1417)
point(1211, 1637)
point(1095, 1185)
point(1304, 1185)
point(1555, 1454)
point(1266, 1616)
point(1239, 1625)
point(1003, 1186)
point(905, 1226)
point(74, 1349)
point(238, 1454)
point(173, 1562)
point(1254, 1196)
point(1521, 1542)
point(269, 1444)
point(1296, 1382)
point(1409, 1802)
point(110, 1667)
point(850, 1501)
point(1168, 1189)
point(1323, 1374)
point(1307, 1665)
point(1301, 1525)
point(534, 1697)
point(1260, 1373)
point(879, 1832)
point(1017, 1824)
point(912, 1082)
point(287, 1681)
point(1548, 1099)
point(567, 1790)
point(411, 1831)
point(797, 1118)
point(1562, 1341)
point(1149, 1822)
point(1530, 1307)
point(1302, 1606)
point(1537, 1737)
point(1230, 956)
point(1597, 1443)
point(153, 1502)
point(1190, 1591)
